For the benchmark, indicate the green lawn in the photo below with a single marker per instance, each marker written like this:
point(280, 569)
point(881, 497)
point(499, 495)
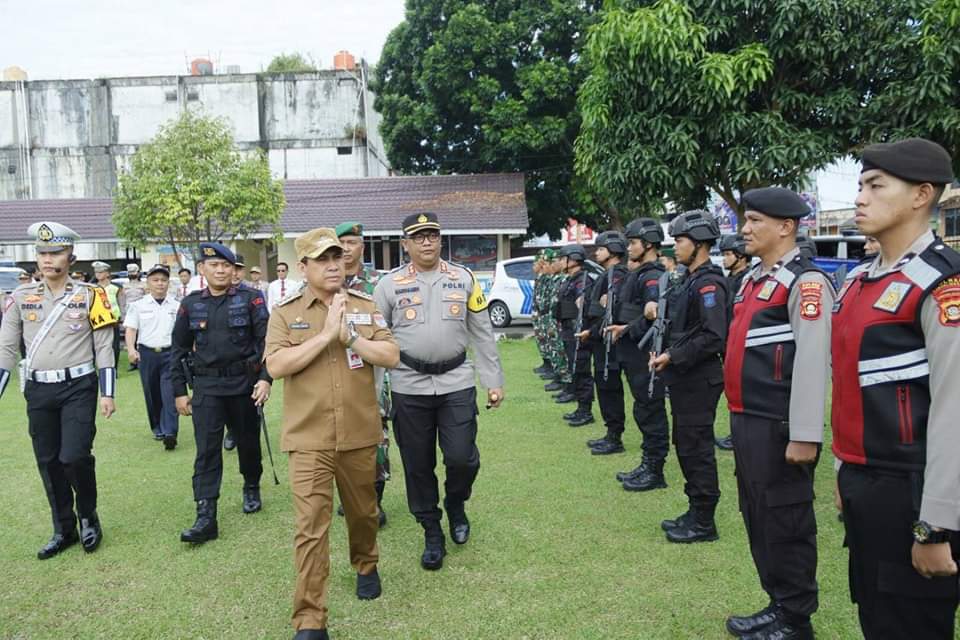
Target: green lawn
point(558, 549)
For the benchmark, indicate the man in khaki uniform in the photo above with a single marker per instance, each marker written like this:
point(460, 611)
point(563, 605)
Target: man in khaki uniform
point(68, 329)
point(325, 341)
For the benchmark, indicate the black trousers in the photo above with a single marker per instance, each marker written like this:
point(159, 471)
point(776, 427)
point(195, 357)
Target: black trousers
point(158, 391)
point(693, 402)
point(419, 421)
point(649, 413)
point(776, 502)
point(117, 328)
point(609, 392)
point(210, 415)
point(579, 361)
point(893, 600)
point(62, 422)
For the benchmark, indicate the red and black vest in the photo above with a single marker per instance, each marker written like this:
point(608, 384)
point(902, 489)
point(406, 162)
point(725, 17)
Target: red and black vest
point(881, 385)
point(760, 343)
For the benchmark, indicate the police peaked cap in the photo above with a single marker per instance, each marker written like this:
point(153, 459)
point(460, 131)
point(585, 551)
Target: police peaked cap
point(51, 237)
point(698, 224)
point(775, 202)
point(612, 241)
point(574, 252)
point(914, 160)
point(646, 229)
point(735, 243)
point(420, 222)
point(210, 250)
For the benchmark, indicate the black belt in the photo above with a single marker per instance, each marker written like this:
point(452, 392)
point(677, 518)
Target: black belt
point(433, 368)
point(236, 369)
point(143, 347)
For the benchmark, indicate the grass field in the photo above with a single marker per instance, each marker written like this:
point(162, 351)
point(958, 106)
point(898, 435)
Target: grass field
point(558, 549)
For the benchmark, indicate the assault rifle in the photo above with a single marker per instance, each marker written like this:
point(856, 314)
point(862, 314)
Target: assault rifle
point(607, 321)
point(579, 327)
point(657, 333)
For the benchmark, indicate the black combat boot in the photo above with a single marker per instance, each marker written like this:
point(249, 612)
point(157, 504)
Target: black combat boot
point(548, 375)
point(783, 629)
point(573, 414)
point(91, 534)
point(595, 442)
point(205, 527)
point(701, 528)
point(564, 397)
point(584, 417)
point(650, 478)
point(434, 546)
point(680, 521)
point(251, 500)
point(368, 586)
point(555, 385)
point(741, 625)
point(458, 521)
point(609, 445)
point(633, 473)
point(311, 634)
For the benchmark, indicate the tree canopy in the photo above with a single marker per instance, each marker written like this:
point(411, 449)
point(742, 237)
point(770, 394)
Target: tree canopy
point(190, 185)
point(488, 86)
point(734, 94)
point(291, 62)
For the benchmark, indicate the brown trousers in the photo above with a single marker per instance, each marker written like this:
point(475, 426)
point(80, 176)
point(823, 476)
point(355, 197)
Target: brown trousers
point(311, 481)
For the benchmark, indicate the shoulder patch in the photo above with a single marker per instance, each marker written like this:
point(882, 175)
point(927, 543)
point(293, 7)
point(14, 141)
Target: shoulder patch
point(100, 313)
point(359, 294)
point(290, 298)
point(811, 300)
point(947, 296)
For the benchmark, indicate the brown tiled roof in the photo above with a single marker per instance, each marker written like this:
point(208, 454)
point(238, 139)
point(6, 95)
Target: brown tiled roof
point(462, 202)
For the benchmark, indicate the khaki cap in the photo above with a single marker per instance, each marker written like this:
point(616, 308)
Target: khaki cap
point(313, 243)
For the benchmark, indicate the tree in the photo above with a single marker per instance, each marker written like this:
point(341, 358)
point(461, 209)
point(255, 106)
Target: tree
point(190, 185)
point(291, 63)
point(729, 95)
point(470, 87)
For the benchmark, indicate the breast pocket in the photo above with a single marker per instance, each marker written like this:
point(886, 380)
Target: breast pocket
point(239, 327)
point(409, 314)
point(199, 328)
point(454, 309)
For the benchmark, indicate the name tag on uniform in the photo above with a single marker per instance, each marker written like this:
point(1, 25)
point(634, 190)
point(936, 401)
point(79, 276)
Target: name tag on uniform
point(354, 361)
point(299, 325)
point(358, 318)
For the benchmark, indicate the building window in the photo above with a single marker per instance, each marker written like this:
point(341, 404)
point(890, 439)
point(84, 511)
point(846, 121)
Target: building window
point(951, 223)
point(477, 253)
point(344, 151)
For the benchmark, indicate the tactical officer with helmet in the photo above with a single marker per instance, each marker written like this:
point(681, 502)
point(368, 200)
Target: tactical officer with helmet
point(693, 372)
point(218, 339)
point(775, 371)
point(611, 250)
point(641, 288)
point(571, 312)
point(733, 248)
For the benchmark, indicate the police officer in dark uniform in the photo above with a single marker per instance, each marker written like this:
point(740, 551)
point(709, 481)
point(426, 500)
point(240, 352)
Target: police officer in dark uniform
point(775, 371)
point(611, 254)
point(733, 248)
point(571, 311)
point(219, 337)
point(697, 311)
point(642, 287)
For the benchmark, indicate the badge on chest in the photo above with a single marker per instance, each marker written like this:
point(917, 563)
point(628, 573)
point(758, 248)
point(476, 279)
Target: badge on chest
point(766, 292)
point(892, 297)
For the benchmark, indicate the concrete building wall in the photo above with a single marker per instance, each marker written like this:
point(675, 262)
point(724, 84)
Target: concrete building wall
point(71, 138)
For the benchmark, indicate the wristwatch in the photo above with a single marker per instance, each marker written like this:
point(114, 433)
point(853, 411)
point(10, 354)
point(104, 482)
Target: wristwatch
point(352, 334)
point(923, 533)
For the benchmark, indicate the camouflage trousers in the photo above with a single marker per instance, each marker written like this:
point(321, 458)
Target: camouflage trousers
point(555, 353)
point(540, 328)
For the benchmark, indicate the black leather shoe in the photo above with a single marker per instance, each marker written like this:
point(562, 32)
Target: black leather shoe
point(251, 500)
point(205, 526)
point(90, 533)
point(633, 473)
point(382, 518)
point(59, 542)
point(741, 625)
point(547, 375)
point(368, 586)
point(564, 398)
point(782, 630)
point(573, 414)
point(647, 480)
point(170, 443)
point(680, 521)
point(693, 532)
point(433, 553)
point(596, 442)
point(553, 386)
point(724, 444)
point(229, 444)
point(311, 634)
point(581, 420)
point(607, 448)
point(544, 368)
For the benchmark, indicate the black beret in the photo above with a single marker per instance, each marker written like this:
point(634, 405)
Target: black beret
point(419, 222)
point(914, 160)
point(216, 250)
point(775, 202)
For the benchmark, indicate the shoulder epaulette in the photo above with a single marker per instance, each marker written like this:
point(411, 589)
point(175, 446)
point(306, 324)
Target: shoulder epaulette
point(359, 294)
point(290, 298)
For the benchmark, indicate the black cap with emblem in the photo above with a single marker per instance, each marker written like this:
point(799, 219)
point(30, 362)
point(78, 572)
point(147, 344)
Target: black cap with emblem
point(420, 222)
point(914, 160)
point(775, 202)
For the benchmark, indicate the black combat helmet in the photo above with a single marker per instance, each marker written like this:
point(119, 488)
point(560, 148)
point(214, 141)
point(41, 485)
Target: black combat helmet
point(698, 224)
point(808, 248)
point(735, 243)
point(573, 251)
point(647, 229)
point(612, 241)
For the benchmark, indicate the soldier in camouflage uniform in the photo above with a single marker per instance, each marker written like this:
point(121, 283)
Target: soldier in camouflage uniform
point(555, 351)
point(540, 314)
point(360, 277)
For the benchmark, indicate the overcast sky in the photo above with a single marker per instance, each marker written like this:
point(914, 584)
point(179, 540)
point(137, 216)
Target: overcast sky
point(103, 38)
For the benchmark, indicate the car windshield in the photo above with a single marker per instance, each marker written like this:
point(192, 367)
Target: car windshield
point(8, 280)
